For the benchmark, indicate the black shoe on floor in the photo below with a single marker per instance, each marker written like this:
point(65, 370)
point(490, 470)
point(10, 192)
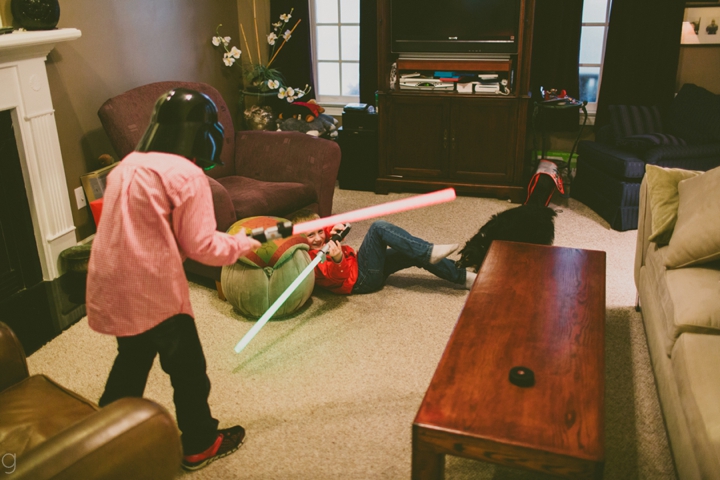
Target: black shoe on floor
point(228, 440)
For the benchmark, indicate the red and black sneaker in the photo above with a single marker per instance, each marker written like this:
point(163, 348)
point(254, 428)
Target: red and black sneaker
point(228, 440)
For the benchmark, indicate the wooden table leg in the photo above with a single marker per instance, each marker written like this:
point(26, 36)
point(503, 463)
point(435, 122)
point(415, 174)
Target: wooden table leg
point(426, 463)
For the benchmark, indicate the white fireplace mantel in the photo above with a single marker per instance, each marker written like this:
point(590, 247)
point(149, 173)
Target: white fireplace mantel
point(24, 89)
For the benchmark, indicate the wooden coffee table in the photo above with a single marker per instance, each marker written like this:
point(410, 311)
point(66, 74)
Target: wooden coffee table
point(538, 307)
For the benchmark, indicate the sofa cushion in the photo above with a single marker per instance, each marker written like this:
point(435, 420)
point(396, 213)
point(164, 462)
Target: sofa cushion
point(695, 115)
point(252, 197)
point(694, 360)
point(696, 238)
point(663, 197)
point(690, 297)
point(695, 294)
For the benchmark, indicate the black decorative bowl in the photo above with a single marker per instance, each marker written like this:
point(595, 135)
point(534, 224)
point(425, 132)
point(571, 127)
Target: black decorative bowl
point(36, 14)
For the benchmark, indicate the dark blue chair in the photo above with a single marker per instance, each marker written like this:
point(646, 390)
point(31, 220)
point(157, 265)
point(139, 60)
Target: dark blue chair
point(610, 169)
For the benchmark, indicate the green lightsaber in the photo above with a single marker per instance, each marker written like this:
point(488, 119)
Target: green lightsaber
point(288, 291)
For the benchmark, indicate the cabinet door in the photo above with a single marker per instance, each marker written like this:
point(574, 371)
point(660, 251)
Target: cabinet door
point(484, 140)
point(418, 137)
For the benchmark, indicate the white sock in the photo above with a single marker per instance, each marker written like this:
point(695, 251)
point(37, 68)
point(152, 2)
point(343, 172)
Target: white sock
point(441, 251)
point(470, 279)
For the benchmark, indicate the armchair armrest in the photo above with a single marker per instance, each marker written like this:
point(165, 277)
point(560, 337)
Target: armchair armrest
point(130, 438)
point(223, 206)
point(290, 157)
point(13, 366)
point(611, 160)
point(692, 157)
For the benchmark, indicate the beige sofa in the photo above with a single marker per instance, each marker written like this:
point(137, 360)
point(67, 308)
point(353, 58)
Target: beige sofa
point(677, 273)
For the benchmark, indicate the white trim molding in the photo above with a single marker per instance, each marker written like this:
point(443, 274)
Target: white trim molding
point(25, 90)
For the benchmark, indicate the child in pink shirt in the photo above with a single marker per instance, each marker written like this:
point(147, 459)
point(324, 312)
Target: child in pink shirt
point(157, 212)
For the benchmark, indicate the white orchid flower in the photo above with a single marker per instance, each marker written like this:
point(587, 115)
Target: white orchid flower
point(290, 93)
point(235, 52)
point(216, 41)
point(226, 40)
point(271, 38)
point(273, 84)
point(282, 93)
point(228, 59)
point(277, 25)
point(285, 17)
point(287, 35)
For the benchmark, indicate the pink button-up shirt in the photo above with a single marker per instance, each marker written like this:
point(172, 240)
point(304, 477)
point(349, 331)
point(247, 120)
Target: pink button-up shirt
point(157, 211)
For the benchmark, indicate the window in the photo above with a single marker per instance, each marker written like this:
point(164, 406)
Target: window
point(336, 50)
point(595, 18)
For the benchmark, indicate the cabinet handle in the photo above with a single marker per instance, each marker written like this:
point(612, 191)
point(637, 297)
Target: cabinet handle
point(445, 135)
point(452, 141)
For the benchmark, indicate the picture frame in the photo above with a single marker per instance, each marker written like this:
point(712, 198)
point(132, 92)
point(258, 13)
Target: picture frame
point(701, 25)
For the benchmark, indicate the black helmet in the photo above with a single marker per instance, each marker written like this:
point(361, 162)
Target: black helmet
point(185, 122)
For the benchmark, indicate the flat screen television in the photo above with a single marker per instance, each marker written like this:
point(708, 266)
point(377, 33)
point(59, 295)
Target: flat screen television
point(455, 26)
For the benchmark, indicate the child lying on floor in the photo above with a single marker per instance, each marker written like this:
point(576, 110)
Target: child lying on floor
point(385, 250)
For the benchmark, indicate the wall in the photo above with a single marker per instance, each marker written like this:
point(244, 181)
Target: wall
point(701, 66)
point(125, 44)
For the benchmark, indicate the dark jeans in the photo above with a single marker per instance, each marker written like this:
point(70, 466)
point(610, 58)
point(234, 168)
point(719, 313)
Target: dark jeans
point(181, 356)
point(387, 249)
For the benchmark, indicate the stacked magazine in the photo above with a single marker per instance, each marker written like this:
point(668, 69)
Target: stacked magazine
point(462, 83)
point(415, 81)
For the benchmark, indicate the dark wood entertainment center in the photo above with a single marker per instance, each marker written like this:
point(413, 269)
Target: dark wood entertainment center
point(473, 142)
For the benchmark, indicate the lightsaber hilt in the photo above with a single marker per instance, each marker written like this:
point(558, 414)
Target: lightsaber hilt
point(264, 235)
point(338, 237)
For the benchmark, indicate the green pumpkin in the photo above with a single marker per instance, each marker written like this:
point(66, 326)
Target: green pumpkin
point(255, 281)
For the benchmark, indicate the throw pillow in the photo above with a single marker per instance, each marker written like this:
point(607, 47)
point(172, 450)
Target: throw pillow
point(662, 184)
point(695, 115)
point(696, 238)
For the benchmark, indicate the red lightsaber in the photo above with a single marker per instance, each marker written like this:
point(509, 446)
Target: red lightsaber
point(285, 229)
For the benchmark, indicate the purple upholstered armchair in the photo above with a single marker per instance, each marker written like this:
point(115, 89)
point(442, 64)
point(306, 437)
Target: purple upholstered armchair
point(265, 173)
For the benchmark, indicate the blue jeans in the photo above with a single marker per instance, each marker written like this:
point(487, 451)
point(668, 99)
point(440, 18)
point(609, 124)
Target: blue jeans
point(387, 249)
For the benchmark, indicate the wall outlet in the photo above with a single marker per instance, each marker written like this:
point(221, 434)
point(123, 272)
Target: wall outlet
point(80, 198)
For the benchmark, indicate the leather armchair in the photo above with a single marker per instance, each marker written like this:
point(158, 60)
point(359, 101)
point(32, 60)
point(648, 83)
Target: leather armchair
point(265, 173)
point(49, 432)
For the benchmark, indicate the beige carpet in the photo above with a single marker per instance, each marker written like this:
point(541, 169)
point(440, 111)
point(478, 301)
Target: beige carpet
point(332, 392)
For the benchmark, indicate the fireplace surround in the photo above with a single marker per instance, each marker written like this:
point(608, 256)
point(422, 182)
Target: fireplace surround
point(25, 93)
